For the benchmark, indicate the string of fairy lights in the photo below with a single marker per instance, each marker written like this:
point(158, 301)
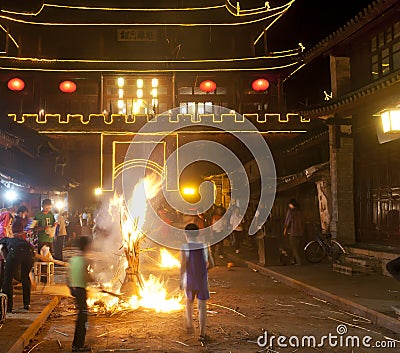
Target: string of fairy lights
point(238, 12)
point(176, 24)
point(274, 55)
point(49, 69)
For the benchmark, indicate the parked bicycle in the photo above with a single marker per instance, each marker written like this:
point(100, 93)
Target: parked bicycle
point(323, 245)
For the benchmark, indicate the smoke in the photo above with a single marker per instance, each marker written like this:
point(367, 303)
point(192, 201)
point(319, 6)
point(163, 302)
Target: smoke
point(108, 241)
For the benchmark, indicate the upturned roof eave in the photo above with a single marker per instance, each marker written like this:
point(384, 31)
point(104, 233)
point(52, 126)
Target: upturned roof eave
point(349, 100)
point(361, 22)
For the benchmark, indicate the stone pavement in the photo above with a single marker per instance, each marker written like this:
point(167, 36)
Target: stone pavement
point(369, 295)
point(20, 326)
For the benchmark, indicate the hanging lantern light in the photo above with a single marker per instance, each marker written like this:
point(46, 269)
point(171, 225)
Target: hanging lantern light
point(67, 87)
point(260, 85)
point(208, 86)
point(16, 84)
point(391, 120)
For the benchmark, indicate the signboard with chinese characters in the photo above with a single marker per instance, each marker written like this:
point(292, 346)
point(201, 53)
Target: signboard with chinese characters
point(137, 35)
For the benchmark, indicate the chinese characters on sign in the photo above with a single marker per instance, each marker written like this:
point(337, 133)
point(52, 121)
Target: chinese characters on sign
point(137, 35)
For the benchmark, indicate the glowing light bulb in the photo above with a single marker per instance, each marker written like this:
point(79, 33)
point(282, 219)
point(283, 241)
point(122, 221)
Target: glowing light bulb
point(120, 82)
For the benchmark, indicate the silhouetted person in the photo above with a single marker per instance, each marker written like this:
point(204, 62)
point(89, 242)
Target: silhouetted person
point(294, 228)
point(17, 252)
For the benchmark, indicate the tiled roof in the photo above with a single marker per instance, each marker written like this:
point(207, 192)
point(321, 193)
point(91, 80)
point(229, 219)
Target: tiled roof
point(364, 92)
point(371, 12)
point(217, 12)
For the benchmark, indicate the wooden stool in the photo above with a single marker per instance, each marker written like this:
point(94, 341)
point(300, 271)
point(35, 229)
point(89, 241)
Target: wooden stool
point(3, 307)
point(48, 273)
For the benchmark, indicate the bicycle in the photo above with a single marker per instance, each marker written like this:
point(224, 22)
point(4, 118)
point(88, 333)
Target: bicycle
point(321, 246)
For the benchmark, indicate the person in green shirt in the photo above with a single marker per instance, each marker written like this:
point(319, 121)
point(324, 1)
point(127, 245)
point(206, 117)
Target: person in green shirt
point(78, 276)
point(45, 226)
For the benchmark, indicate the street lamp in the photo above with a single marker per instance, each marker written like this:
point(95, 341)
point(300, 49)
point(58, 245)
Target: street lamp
point(391, 120)
point(60, 205)
point(10, 195)
point(188, 191)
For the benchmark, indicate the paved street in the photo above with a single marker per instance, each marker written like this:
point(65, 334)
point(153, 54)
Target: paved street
point(262, 304)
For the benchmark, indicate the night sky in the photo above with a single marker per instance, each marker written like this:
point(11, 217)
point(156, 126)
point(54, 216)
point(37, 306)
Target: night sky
point(307, 21)
point(310, 21)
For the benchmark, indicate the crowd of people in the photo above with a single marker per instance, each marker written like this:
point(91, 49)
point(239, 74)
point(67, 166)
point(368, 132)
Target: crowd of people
point(220, 228)
point(22, 236)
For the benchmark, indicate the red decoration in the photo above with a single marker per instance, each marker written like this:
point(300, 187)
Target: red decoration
point(260, 85)
point(208, 86)
point(16, 84)
point(67, 87)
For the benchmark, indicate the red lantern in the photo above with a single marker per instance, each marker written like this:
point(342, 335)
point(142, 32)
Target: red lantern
point(260, 85)
point(67, 87)
point(16, 84)
point(208, 86)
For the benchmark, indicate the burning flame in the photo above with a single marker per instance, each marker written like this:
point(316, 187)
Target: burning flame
point(168, 260)
point(152, 292)
point(153, 295)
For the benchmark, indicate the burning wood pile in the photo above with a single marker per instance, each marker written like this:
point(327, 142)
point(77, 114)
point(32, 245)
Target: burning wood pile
point(134, 291)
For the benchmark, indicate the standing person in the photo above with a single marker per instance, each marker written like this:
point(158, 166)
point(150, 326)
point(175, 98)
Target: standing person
point(294, 229)
point(6, 220)
point(78, 277)
point(75, 229)
point(194, 266)
point(238, 229)
point(20, 223)
point(218, 227)
point(261, 233)
point(61, 235)
point(17, 252)
point(45, 227)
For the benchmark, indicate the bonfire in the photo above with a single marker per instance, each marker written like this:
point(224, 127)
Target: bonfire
point(135, 291)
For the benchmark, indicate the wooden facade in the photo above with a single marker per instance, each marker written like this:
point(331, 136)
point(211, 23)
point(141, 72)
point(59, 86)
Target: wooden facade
point(364, 57)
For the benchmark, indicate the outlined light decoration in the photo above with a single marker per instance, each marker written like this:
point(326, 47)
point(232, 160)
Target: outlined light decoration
point(261, 14)
point(67, 87)
point(260, 85)
point(208, 86)
point(16, 84)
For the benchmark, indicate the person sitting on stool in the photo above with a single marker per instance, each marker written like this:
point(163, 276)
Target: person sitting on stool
point(17, 252)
